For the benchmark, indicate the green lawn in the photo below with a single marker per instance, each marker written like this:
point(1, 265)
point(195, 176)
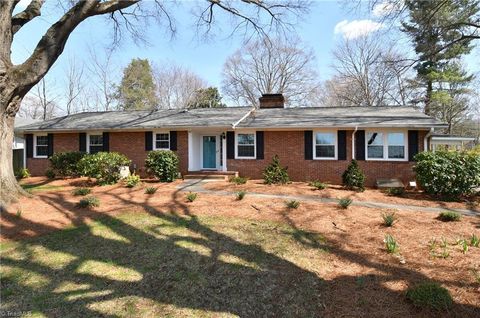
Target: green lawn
point(148, 265)
point(41, 187)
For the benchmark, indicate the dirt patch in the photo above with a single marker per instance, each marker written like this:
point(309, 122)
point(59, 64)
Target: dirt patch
point(418, 198)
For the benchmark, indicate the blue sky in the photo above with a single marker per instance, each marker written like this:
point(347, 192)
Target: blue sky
point(327, 22)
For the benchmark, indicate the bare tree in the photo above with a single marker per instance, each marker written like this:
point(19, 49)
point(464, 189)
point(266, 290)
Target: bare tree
point(45, 98)
point(33, 107)
point(74, 86)
point(130, 15)
point(176, 85)
point(369, 73)
point(271, 66)
point(104, 78)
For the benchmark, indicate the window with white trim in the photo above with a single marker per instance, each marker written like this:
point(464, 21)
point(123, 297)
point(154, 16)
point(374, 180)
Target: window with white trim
point(162, 141)
point(95, 143)
point(245, 145)
point(386, 145)
point(41, 146)
point(325, 145)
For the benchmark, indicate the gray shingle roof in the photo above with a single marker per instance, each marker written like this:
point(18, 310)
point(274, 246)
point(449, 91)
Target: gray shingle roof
point(225, 117)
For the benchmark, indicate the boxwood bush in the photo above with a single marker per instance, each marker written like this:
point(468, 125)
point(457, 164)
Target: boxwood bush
point(449, 174)
point(103, 166)
point(163, 164)
point(65, 164)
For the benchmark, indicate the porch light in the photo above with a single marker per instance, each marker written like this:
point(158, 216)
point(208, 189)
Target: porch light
point(222, 135)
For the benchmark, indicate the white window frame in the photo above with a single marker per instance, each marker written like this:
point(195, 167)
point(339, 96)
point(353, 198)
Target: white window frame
point(35, 146)
point(335, 144)
point(155, 133)
point(94, 134)
point(385, 144)
point(254, 133)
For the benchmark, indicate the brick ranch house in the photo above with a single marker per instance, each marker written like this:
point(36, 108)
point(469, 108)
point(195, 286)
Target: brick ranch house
point(314, 143)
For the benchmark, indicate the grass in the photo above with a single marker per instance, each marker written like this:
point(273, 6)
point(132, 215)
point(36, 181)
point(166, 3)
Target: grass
point(292, 204)
point(389, 218)
point(449, 216)
point(474, 241)
point(192, 196)
point(144, 265)
point(238, 180)
point(318, 185)
point(240, 195)
point(150, 190)
point(391, 244)
point(82, 191)
point(430, 295)
point(89, 202)
point(42, 187)
point(344, 203)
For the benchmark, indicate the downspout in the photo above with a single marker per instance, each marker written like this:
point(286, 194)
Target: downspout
point(235, 124)
point(425, 139)
point(353, 142)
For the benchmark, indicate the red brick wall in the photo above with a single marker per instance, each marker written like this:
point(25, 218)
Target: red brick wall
point(289, 146)
point(131, 144)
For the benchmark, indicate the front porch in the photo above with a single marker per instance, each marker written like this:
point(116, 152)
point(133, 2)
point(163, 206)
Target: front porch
point(207, 151)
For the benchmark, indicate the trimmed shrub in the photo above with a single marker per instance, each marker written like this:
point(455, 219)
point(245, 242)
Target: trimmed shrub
point(132, 180)
point(274, 173)
point(240, 195)
point(82, 191)
point(344, 203)
point(192, 196)
point(89, 202)
point(50, 174)
point(449, 216)
point(430, 295)
point(150, 190)
point(163, 164)
point(448, 174)
point(353, 178)
point(22, 173)
point(103, 166)
point(65, 164)
point(318, 185)
point(292, 204)
point(238, 180)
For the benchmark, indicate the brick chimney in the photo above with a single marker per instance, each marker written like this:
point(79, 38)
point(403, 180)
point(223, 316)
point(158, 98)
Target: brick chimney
point(272, 101)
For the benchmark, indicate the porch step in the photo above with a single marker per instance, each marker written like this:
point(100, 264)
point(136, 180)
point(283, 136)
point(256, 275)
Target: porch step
point(205, 174)
point(389, 183)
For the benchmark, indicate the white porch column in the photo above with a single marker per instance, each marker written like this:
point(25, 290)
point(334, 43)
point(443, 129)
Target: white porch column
point(190, 151)
point(224, 152)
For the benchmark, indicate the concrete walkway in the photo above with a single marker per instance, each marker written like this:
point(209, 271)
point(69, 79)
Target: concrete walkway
point(196, 185)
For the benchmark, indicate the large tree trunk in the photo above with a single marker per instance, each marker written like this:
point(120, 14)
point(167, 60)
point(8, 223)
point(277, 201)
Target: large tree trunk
point(9, 188)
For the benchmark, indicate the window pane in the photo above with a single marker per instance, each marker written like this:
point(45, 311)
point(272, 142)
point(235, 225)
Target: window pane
point(325, 151)
point(246, 139)
point(42, 150)
point(396, 139)
point(246, 151)
point(325, 139)
point(396, 152)
point(163, 137)
point(375, 151)
point(96, 140)
point(162, 145)
point(42, 140)
point(375, 139)
point(95, 149)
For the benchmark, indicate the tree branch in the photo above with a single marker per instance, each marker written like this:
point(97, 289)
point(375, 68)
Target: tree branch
point(32, 11)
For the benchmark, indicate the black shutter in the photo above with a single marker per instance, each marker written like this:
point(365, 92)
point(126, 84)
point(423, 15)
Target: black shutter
point(260, 145)
point(29, 144)
point(148, 140)
point(230, 145)
point(412, 144)
point(360, 145)
point(342, 144)
point(308, 137)
point(173, 140)
point(50, 145)
point(82, 142)
point(106, 142)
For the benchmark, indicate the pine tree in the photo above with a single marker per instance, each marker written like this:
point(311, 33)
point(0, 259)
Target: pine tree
point(137, 89)
point(207, 98)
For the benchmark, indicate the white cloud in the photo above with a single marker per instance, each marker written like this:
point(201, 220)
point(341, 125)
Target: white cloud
point(356, 28)
point(385, 8)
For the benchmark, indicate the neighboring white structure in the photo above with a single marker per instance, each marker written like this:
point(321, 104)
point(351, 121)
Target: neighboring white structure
point(449, 141)
point(19, 143)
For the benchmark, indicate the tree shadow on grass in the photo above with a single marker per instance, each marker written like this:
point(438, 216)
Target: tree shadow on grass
point(174, 261)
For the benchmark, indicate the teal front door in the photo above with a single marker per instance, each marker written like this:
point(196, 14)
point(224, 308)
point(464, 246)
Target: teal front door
point(209, 152)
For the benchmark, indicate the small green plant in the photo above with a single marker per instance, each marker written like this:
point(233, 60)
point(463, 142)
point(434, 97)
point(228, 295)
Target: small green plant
point(344, 203)
point(396, 191)
point(444, 253)
point(274, 173)
point(89, 202)
point(50, 174)
point(318, 185)
point(19, 213)
point(449, 216)
point(240, 195)
point(22, 173)
point(82, 191)
point(430, 295)
point(150, 190)
point(238, 180)
point(464, 245)
point(292, 204)
point(391, 244)
point(354, 178)
point(474, 241)
point(389, 218)
point(192, 196)
point(132, 180)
